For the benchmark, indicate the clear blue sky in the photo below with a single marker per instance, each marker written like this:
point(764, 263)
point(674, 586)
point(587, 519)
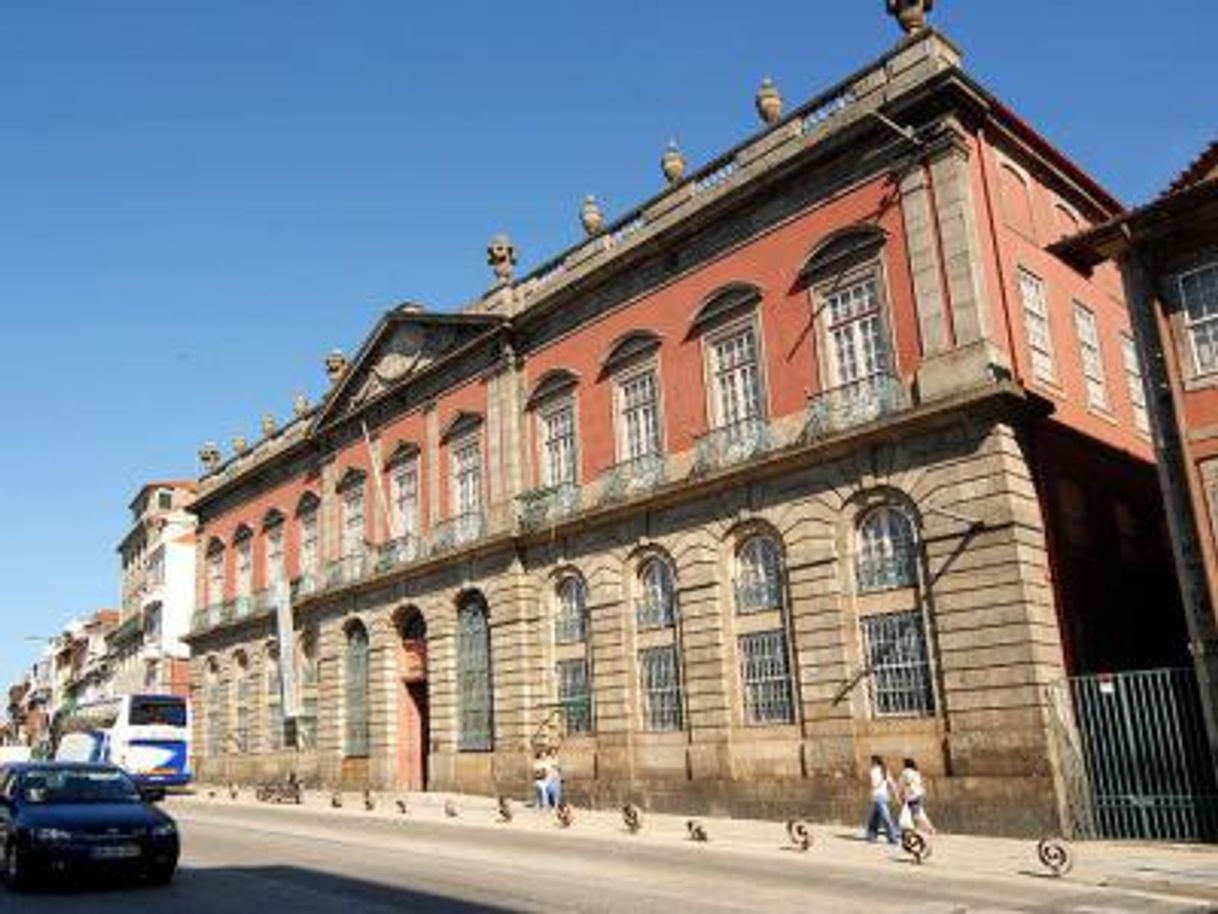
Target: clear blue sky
point(197, 200)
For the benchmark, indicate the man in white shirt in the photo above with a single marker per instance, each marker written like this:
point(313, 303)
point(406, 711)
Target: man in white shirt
point(882, 791)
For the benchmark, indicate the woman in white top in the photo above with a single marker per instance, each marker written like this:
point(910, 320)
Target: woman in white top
point(913, 795)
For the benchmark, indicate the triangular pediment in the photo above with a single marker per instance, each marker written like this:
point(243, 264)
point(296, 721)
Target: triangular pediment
point(405, 343)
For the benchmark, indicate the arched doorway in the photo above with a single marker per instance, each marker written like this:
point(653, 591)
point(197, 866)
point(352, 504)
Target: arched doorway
point(414, 741)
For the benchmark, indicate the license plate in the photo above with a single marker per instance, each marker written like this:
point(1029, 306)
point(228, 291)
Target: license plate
point(116, 852)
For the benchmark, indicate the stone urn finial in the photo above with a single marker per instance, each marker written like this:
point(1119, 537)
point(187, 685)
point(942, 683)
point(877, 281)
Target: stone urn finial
point(911, 13)
point(268, 425)
point(673, 163)
point(591, 216)
point(769, 102)
point(336, 365)
point(501, 257)
point(240, 445)
point(300, 405)
point(209, 456)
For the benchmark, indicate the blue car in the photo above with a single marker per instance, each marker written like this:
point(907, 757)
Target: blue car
point(60, 818)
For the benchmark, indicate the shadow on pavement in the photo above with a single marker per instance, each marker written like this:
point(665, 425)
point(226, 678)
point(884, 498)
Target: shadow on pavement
point(263, 889)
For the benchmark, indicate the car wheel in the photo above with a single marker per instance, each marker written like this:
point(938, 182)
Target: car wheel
point(15, 875)
point(162, 875)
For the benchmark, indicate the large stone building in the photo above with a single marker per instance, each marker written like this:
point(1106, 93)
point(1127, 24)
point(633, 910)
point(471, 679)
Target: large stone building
point(818, 453)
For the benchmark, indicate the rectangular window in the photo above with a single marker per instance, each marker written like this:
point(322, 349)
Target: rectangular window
point(467, 477)
point(1093, 360)
point(639, 408)
point(405, 495)
point(245, 568)
point(215, 578)
point(894, 645)
point(164, 500)
point(558, 446)
point(1036, 321)
point(1199, 299)
point(766, 676)
point(573, 695)
point(353, 521)
point(308, 543)
point(274, 556)
point(1133, 379)
point(660, 685)
point(857, 345)
point(737, 379)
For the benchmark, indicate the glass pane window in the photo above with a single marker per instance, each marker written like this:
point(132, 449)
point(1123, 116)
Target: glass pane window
point(887, 556)
point(894, 645)
point(1199, 298)
point(473, 677)
point(243, 708)
point(274, 555)
point(274, 705)
point(657, 606)
point(573, 695)
point(1093, 361)
point(1036, 322)
point(306, 722)
point(570, 621)
point(214, 704)
point(737, 378)
point(660, 686)
point(215, 578)
point(558, 446)
point(759, 576)
point(355, 737)
point(640, 416)
point(1133, 379)
point(467, 477)
point(404, 484)
point(766, 676)
point(308, 543)
point(353, 520)
point(245, 567)
point(856, 333)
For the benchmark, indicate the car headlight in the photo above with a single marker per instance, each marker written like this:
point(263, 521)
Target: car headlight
point(52, 834)
point(163, 831)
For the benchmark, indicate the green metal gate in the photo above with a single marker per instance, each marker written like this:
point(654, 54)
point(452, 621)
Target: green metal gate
point(1135, 759)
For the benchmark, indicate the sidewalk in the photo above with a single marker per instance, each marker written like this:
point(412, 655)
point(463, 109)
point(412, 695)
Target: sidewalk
point(1181, 870)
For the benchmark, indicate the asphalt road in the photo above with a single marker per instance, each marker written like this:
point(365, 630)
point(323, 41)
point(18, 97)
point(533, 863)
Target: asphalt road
point(237, 860)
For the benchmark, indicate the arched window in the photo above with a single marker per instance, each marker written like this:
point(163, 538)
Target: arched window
point(474, 675)
point(355, 737)
point(759, 574)
point(243, 697)
point(887, 553)
point(306, 721)
point(570, 619)
point(213, 703)
point(274, 701)
point(657, 605)
point(1016, 199)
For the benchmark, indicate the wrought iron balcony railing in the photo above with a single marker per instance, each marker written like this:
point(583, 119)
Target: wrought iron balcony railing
point(347, 570)
point(304, 585)
point(397, 552)
point(728, 445)
point(544, 507)
point(264, 600)
point(633, 477)
point(457, 531)
point(758, 595)
point(243, 605)
point(854, 404)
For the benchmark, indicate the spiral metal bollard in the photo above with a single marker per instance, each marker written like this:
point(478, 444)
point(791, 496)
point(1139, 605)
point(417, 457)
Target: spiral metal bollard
point(450, 809)
point(800, 834)
point(565, 815)
point(232, 791)
point(369, 801)
point(504, 809)
point(914, 843)
point(633, 818)
point(336, 800)
point(401, 805)
point(697, 831)
point(1054, 854)
point(211, 794)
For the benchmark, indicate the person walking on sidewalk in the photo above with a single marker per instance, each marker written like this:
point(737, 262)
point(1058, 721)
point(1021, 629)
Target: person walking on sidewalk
point(883, 791)
point(540, 784)
point(913, 799)
point(553, 775)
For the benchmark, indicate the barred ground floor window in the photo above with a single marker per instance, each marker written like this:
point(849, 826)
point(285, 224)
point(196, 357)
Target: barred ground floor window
point(894, 646)
point(574, 697)
point(660, 686)
point(765, 673)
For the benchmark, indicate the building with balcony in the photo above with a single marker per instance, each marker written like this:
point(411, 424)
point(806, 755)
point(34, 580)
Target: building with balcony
point(818, 453)
point(158, 592)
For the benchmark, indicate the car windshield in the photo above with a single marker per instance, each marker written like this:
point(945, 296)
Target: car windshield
point(163, 711)
point(78, 785)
